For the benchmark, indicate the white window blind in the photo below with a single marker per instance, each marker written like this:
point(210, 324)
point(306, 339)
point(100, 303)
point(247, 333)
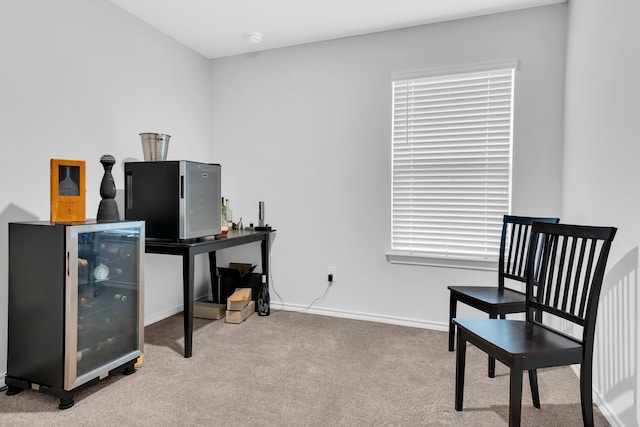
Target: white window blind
point(451, 167)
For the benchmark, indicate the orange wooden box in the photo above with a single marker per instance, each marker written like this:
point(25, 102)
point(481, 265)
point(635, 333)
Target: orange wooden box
point(68, 193)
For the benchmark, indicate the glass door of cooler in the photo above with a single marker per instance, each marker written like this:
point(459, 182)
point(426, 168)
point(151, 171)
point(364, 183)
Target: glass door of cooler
point(104, 326)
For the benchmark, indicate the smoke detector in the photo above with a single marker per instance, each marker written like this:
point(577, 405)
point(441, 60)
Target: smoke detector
point(254, 37)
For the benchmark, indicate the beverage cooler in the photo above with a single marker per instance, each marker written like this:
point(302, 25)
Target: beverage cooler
point(75, 304)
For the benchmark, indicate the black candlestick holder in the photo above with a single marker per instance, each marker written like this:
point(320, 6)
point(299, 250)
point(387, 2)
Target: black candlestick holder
point(108, 208)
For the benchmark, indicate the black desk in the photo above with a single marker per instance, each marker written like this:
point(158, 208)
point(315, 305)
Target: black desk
point(189, 249)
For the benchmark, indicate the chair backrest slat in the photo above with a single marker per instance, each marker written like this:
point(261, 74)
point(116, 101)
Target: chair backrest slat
point(589, 269)
point(548, 262)
point(522, 233)
point(576, 286)
point(510, 256)
point(571, 281)
point(559, 275)
point(569, 277)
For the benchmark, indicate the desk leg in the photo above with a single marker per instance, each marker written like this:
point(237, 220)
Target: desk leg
point(264, 249)
point(187, 279)
point(213, 274)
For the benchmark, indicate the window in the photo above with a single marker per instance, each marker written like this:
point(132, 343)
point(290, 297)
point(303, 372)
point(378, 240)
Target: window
point(451, 171)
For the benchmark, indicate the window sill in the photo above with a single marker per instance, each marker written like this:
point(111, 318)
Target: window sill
point(409, 258)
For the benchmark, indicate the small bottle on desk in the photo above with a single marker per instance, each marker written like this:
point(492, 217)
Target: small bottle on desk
point(224, 228)
point(228, 214)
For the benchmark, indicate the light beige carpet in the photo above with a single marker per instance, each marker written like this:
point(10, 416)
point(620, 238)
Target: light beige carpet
point(295, 369)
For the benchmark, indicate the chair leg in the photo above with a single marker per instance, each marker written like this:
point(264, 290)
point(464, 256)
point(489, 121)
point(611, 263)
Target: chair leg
point(533, 382)
point(452, 313)
point(461, 354)
point(491, 371)
point(515, 396)
point(586, 396)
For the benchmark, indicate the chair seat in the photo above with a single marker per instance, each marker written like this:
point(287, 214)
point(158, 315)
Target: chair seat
point(510, 301)
point(519, 339)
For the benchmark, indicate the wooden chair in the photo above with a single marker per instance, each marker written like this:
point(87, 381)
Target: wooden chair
point(567, 287)
point(500, 300)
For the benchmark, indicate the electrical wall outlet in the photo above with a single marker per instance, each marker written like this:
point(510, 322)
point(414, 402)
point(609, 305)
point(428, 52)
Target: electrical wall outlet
point(331, 271)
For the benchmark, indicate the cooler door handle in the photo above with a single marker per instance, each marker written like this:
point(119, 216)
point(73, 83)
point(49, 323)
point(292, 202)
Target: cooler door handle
point(129, 190)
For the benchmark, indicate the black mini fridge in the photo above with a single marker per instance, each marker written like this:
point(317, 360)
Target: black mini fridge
point(178, 200)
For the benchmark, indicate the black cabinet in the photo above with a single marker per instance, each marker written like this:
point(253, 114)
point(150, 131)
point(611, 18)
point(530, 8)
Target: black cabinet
point(75, 304)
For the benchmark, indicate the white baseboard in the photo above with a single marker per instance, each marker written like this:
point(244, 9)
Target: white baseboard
point(168, 312)
point(156, 317)
point(393, 320)
point(606, 410)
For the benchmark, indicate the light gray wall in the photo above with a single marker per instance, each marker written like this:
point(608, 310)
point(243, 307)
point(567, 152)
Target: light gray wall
point(307, 130)
point(79, 79)
point(601, 180)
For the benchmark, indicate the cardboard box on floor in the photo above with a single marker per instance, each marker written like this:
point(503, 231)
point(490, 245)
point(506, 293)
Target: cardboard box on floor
point(208, 310)
point(237, 275)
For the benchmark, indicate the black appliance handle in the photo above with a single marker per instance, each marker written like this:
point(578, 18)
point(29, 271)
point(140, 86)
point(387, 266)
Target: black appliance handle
point(129, 190)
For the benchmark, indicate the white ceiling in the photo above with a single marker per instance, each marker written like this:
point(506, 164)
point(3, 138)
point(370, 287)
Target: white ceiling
point(217, 28)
